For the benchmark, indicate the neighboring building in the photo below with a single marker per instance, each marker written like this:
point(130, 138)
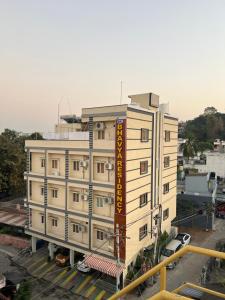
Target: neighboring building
point(214, 162)
point(198, 200)
point(219, 145)
point(119, 166)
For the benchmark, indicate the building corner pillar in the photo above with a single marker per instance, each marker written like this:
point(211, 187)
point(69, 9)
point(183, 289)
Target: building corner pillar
point(34, 244)
point(71, 258)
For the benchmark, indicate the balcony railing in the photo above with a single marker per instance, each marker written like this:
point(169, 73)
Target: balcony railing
point(161, 267)
point(75, 136)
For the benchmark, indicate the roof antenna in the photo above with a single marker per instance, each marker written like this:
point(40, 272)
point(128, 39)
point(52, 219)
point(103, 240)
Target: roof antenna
point(121, 91)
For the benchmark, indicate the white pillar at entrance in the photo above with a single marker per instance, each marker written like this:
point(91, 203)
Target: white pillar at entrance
point(71, 258)
point(51, 250)
point(33, 244)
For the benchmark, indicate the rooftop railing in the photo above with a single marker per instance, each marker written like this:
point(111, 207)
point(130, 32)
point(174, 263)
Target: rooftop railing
point(161, 268)
point(77, 136)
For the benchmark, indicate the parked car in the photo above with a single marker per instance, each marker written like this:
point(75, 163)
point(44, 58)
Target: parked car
point(62, 257)
point(184, 238)
point(82, 267)
point(169, 250)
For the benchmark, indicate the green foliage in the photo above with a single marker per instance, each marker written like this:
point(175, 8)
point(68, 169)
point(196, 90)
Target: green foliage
point(206, 127)
point(24, 292)
point(138, 263)
point(130, 274)
point(13, 161)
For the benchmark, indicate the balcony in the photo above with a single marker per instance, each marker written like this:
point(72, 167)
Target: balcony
point(73, 136)
point(161, 267)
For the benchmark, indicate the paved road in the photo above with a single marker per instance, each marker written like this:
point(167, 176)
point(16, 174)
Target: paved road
point(190, 266)
point(75, 284)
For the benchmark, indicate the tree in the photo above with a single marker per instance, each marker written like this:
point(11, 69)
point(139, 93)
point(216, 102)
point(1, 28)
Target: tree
point(210, 110)
point(206, 127)
point(189, 148)
point(204, 146)
point(13, 162)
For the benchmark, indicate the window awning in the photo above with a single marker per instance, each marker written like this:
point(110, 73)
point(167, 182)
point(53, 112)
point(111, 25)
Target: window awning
point(103, 265)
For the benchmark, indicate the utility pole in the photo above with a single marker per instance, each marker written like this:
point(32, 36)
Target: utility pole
point(118, 257)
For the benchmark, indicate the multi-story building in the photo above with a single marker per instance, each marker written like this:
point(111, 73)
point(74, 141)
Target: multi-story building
point(116, 165)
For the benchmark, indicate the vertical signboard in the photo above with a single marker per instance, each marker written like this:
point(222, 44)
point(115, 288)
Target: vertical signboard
point(120, 184)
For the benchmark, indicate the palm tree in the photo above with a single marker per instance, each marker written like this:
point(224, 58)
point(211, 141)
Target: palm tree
point(189, 148)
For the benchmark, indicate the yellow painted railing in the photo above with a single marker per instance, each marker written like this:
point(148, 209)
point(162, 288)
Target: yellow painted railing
point(161, 267)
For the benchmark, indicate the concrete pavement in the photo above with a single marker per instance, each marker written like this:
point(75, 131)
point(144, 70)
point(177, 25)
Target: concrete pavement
point(190, 266)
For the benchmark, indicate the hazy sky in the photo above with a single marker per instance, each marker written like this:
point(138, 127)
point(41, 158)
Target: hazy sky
point(77, 52)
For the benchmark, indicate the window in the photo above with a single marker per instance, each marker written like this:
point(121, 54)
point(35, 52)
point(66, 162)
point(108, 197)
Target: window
point(42, 219)
point(166, 188)
point(101, 135)
point(76, 228)
point(100, 235)
point(143, 167)
point(76, 165)
point(165, 214)
point(100, 202)
point(100, 167)
point(54, 193)
point(167, 136)
point(54, 222)
point(166, 161)
point(42, 162)
point(76, 197)
point(144, 135)
point(143, 232)
point(54, 164)
point(42, 191)
point(143, 199)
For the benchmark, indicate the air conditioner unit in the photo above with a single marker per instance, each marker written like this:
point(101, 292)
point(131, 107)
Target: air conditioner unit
point(83, 164)
point(109, 200)
point(99, 126)
point(84, 197)
point(109, 166)
point(82, 228)
point(55, 173)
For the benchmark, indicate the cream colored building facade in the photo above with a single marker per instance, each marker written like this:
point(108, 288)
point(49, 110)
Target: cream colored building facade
point(71, 181)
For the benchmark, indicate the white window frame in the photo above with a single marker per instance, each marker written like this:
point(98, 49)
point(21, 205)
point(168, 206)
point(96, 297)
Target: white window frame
point(166, 214)
point(144, 134)
point(166, 161)
point(55, 164)
point(99, 201)
point(143, 201)
point(167, 136)
point(100, 168)
point(100, 134)
point(75, 228)
point(143, 231)
point(100, 234)
point(145, 163)
point(166, 188)
point(55, 193)
point(54, 222)
point(42, 162)
point(77, 195)
point(76, 165)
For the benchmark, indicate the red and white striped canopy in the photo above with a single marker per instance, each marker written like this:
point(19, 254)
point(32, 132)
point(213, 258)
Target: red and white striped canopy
point(103, 265)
